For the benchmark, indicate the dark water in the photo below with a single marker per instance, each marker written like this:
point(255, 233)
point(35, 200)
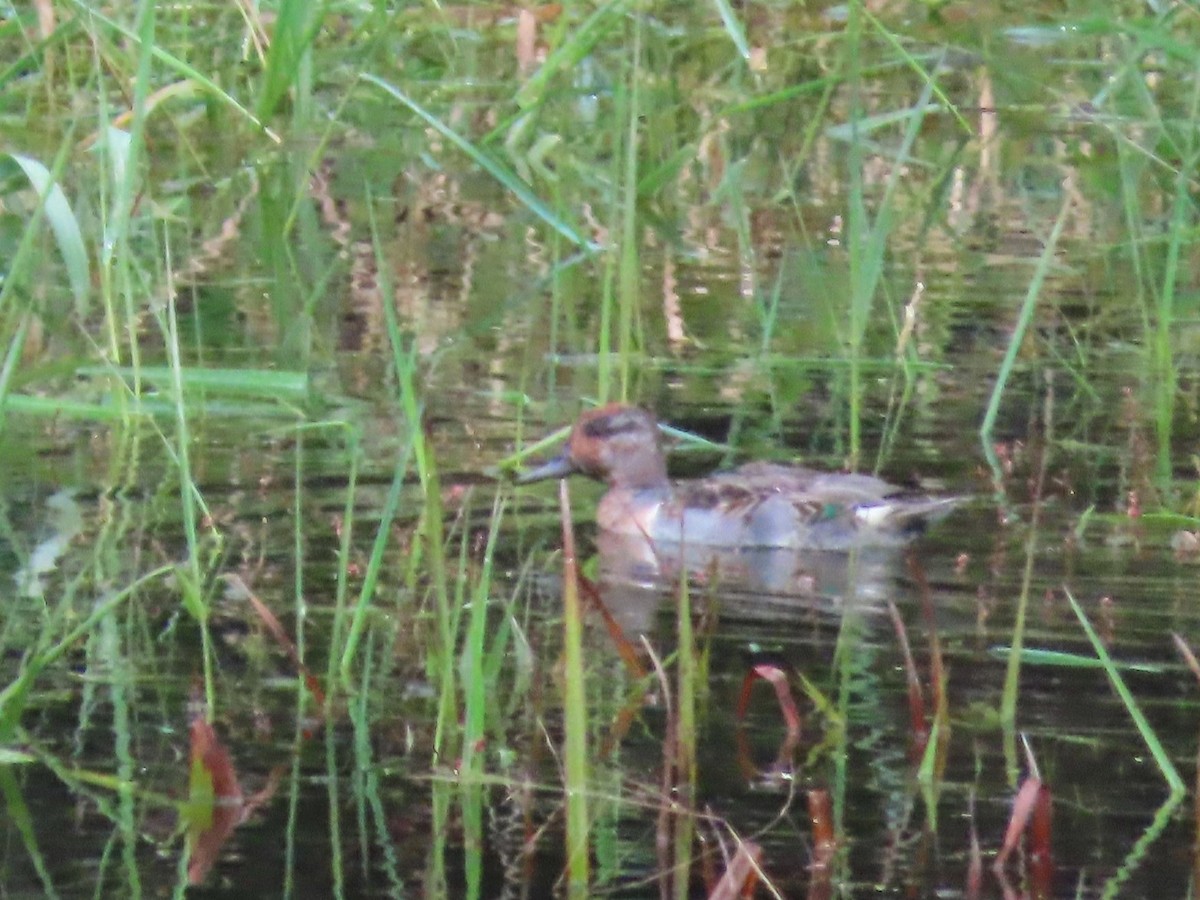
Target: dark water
point(1106, 787)
point(742, 337)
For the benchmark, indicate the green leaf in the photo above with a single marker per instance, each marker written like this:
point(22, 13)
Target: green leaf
point(65, 226)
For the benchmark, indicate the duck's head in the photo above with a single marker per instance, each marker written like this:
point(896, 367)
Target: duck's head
point(616, 443)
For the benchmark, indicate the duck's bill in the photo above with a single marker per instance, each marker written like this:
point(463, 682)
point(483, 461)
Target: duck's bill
point(559, 467)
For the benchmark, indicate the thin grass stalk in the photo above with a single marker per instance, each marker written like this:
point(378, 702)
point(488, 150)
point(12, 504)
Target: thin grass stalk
point(848, 667)
point(866, 240)
point(338, 629)
point(1161, 757)
point(604, 332)
point(663, 829)
point(507, 178)
point(575, 721)
point(769, 308)
point(430, 538)
point(629, 278)
point(440, 661)
point(117, 258)
point(435, 881)
point(607, 335)
point(364, 734)
point(1135, 859)
point(345, 543)
point(172, 63)
point(333, 775)
point(606, 839)
point(510, 648)
point(857, 227)
point(312, 162)
point(301, 612)
point(685, 742)
point(12, 359)
point(1024, 319)
point(1134, 218)
point(1012, 674)
point(127, 766)
point(89, 700)
point(477, 694)
point(358, 711)
point(739, 214)
point(564, 57)
point(290, 389)
point(188, 488)
point(912, 63)
point(299, 605)
point(116, 247)
point(429, 556)
point(191, 572)
point(22, 822)
point(383, 536)
point(113, 148)
point(106, 857)
point(469, 771)
point(557, 306)
point(13, 695)
point(1165, 378)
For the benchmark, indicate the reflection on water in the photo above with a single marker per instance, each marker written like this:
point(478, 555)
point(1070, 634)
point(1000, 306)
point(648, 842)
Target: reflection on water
point(754, 583)
point(64, 523)
point(821, 615)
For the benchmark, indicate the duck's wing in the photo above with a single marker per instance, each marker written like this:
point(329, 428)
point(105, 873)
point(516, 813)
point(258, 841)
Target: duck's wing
point(809, 485)
point(767, 504)
point(839, 510)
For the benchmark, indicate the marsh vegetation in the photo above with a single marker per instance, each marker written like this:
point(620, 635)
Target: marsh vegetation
point(286, 285)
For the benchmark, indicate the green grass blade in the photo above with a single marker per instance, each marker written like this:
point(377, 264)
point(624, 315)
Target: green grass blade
point(55, 407)
point(383, 538)
point(19, 816)
point(687, 672)
point(913, 63)
point(509, 179)
point(733, 28)
point(1161, 757)
point(1018, 338)
point(629, 265)
point(575, 760)
point(867, 239)
point(158, 407)
point(179, 67)
point(296, 24)
point(1036, 656)
point(12, 360)
point(568, 55)
point(12, 695)
point(241, 382)
point(67, 234)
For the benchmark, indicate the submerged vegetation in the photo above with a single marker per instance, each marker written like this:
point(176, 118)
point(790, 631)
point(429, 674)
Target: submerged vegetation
point(285, 283)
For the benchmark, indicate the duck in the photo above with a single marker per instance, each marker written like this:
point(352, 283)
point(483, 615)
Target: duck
point(758, 505)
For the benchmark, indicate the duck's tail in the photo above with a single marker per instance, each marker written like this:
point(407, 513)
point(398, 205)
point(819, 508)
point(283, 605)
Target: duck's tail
point(905, 516)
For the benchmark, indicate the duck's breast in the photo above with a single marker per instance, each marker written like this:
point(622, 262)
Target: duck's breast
point(634, 512)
